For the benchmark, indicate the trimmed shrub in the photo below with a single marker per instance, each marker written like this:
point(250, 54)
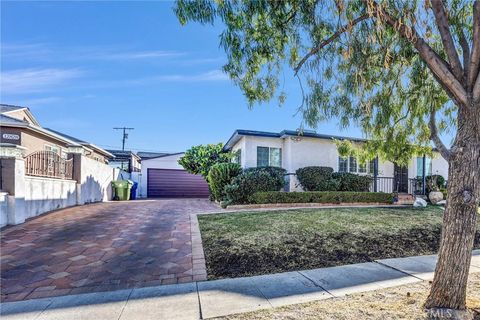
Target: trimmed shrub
point(219, 176)
point(435, 180)
point(254, 180)
point(352, 182)
point(320, 197)
point(316, 178)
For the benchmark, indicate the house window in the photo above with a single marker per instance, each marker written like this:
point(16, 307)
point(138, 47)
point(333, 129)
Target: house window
point(52, 148)
point(269, 157)
point(372, 166)
point(352, 164)
point(428, 166)
point(342, 164)
point(237, 158)
point(362, 168)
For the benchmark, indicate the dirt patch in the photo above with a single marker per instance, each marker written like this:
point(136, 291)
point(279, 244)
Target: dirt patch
point(405, 302)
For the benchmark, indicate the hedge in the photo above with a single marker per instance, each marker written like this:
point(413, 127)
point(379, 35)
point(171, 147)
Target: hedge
point(320, 197)
point(252, 180)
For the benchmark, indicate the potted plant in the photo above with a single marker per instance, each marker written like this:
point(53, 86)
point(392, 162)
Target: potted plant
point(435, 194)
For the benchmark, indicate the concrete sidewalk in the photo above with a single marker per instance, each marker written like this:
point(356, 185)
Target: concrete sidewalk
point(202, 300)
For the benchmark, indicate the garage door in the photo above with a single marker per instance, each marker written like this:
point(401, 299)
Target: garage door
point(175, 183)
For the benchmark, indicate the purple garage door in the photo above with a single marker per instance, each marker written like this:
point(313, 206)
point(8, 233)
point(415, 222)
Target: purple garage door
point(175, 183)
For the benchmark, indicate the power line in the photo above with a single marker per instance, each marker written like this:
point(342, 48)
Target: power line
point(125, 135)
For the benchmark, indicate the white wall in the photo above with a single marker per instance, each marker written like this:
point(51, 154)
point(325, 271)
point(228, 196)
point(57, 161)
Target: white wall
point(167, 162)
point(96, 180)
point(46, 194)
point(3, 209)
point(250, 147)
point(299, 152)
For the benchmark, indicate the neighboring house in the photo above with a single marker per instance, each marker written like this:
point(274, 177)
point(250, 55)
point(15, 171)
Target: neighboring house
point(125, 160)
point(290, 150)
point(43, 170)
point(162, 176)
point(19, 127)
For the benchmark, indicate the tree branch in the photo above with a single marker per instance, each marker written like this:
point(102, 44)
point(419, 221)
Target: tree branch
point(476, 90)
point(435, 137)
point(475, 58)
point(447, 39)
point(435, 63)
point(465, 49)
point(329, 40)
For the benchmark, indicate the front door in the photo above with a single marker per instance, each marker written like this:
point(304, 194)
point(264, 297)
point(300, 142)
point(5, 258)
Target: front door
point(401, 178)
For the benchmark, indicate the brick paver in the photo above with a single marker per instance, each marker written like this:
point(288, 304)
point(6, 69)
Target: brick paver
point(102, 247)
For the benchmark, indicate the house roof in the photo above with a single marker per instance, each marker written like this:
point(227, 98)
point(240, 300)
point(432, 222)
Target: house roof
point(122, 154)
point(83, 143)
point(144, 155)
point(9, 120)
point(9, 108)
point(284, 133)
point(164, 155)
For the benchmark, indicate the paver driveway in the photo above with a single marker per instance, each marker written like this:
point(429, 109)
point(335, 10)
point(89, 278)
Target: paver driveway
point(101, 247)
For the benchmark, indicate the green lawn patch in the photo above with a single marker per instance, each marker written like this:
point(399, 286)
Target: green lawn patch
point(250, 243)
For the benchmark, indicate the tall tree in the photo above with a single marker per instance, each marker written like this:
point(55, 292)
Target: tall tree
point(402, 70)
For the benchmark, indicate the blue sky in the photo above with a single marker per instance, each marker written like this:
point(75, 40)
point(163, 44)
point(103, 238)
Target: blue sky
point(86, 67)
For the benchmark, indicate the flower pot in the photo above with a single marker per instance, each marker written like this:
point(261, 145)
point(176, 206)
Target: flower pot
point(435, 196)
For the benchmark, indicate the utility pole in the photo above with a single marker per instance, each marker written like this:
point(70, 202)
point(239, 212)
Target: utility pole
point(125, 135)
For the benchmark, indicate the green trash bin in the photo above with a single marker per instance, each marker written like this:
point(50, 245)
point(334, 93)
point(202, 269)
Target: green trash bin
point(122, 189)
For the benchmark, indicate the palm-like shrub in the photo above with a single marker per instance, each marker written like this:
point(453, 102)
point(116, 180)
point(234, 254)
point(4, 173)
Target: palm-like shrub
point(219, 176)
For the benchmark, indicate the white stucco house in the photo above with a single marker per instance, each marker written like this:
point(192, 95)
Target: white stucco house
point(290, 150)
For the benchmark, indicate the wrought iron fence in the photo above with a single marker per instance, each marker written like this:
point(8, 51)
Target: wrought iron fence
point(383, 184)
point(48, 164)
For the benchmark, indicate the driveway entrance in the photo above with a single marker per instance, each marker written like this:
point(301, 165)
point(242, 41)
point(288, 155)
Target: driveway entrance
point(101, 247)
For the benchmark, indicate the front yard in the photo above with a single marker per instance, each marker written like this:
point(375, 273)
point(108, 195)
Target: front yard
point(251, 243)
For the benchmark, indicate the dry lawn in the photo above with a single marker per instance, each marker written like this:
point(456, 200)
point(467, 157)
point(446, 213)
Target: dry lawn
point(403, 302)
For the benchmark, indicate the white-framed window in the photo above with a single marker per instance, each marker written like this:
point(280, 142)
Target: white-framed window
point(237, 157)
point(350, 164)
point(55, 149)
point(342, 164)
point(269, 157)
point(362, 168)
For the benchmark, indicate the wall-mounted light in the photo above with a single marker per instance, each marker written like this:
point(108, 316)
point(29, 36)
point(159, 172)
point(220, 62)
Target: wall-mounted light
point(296, 139)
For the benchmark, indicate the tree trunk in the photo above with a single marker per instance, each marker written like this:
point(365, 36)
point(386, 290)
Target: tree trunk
point(460, 216)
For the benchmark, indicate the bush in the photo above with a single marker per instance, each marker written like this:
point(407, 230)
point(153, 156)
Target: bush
point(316, 178)
point(254, 180)
point(434, 181)
point(352, 182)
point(219, 176)
point(320, 197)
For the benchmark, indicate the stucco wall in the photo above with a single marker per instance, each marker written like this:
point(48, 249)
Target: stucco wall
point(168, 162)
point(304, 151)
point(97, 180)
point(250, 146)
point(46, 194)
point(3, 209)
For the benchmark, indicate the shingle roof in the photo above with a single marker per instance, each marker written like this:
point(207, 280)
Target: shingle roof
point(6, 119)
point(67, 136)
point(9, 107)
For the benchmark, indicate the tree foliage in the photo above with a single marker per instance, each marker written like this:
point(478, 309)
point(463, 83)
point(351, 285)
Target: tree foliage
point(199, 159)
point(369, 75)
